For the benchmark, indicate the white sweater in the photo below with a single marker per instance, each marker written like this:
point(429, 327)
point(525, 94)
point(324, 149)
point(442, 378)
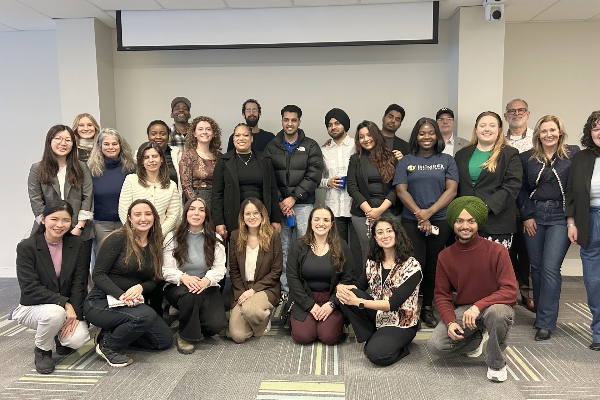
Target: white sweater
point(166, 201)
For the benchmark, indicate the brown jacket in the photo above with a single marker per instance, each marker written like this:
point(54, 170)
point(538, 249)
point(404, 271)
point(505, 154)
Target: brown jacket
point(267, 274)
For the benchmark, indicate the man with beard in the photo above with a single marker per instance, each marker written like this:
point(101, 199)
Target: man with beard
point(251, 112)
point(336, 156)
point(180, 112)
point(445, 120)
point(298, 164)
point(479, 271)
point(520, 137)
point(390, 123)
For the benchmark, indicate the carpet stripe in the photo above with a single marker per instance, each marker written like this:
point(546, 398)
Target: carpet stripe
point(57, 379)
point(542, 364)
point(522, 364)
point(80, 354)
point(335, 360)
point(318, 358)
point(583, 333)
point(529, 363)
point(303, 386)
point(580, 309)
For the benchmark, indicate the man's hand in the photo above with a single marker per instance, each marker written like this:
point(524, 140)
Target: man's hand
point(469, 317)
point(455, 332)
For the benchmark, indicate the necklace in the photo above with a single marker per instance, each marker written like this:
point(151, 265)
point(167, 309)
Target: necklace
point(244, 161)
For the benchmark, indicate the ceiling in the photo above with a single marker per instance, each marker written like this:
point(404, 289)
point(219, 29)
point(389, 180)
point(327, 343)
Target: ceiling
point(25, 15)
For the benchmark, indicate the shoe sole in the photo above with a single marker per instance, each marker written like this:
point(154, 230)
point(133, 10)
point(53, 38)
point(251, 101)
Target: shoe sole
point(496, 379)
point(99, 352)
point(184, 351)
point(45, 371)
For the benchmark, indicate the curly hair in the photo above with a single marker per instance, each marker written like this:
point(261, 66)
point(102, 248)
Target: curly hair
point(333, 239)
point(96, 162)
point(403, 249)
point(500, 143)
point(215, 144)
point(180, 235)
point(586, 139)
point(265, 230)
point(380, 156)
point(538, 150)
point(49, 163)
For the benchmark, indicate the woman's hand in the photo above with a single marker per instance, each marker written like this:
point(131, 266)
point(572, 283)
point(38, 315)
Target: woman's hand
point(193, 283)
point(315, 311)
point(221, 230)
point(276, 226)
point(246, 295)
point(572, 233)
point(71, 322)
point(76, 231)
point(133, 293)
point(374, 214)
point(529, 226)
point(346, 296)
point(324, 311)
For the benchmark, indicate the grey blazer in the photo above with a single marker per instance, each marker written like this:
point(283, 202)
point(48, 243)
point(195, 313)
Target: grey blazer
point(80, 199)
point(459, 143)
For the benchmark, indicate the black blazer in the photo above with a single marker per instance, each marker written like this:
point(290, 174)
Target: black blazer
point(226, 201)
point(300, 292)
point(38, 281)
point(498, 189)
point(578, 194)
point(357, 186)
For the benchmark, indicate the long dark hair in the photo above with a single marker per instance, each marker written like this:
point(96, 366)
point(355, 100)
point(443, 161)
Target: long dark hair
point(403, 248)
point(333, 239)
point(50, 208)
point(413, 144)
point(380, 156)
point(49, 164)
point(163, 172)
point(586, 139)
point(180, 253)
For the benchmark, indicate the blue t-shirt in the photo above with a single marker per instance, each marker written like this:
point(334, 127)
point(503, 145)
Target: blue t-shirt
point(426, 179)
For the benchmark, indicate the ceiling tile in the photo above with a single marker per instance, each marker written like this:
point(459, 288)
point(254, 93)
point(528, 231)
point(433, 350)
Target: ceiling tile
point(306, 3)
point(4, 28)
point(24, 18)
point(192, 4)
point(520, 11)
point(127, 4)
point(64, 8)
point(448, 8)
point(566, 10)
point(258, 3)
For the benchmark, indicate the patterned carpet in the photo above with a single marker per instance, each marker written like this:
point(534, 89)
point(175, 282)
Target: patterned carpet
point(274, 368)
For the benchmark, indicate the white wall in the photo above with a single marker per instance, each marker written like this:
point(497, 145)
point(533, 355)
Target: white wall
point(29, 105)
point(361, 80)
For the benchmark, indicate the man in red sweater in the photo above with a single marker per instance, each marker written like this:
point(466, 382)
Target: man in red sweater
point(481, 273)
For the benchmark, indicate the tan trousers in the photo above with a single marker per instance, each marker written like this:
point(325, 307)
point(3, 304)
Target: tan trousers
point(251, 318)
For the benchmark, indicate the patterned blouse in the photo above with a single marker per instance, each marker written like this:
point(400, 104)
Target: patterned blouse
point(196, 172)
point(408, 314)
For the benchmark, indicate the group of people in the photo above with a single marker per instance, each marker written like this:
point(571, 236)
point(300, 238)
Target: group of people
point(401, 221)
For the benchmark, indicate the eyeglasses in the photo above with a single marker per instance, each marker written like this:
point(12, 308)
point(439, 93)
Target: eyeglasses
point(252, 110)
point(252, 214)
point(59, 139)
point(445, 119)
point(515, 111)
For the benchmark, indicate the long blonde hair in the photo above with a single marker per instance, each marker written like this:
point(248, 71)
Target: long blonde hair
point(538, 150)
point(265, 230)
point(500, 143)
point(94, 122)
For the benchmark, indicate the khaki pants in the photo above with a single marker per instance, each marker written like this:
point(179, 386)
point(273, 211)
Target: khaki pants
point(251, 318)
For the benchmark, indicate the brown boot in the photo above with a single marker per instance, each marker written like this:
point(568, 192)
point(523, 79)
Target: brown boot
point(183, 346)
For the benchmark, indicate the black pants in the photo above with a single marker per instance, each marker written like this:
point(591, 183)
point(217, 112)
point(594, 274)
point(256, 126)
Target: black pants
point(199, 314)
point(426, 250)
point(155, 298)
point(385, 345)
point(519, 256)
point(348, 233)
point(139, 325)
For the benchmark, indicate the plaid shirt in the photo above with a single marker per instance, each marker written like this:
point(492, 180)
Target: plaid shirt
point(176, 139)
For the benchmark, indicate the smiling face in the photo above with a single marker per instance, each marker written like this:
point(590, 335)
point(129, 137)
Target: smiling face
point(487, 130)
point(321, 222)
point(335, 129)
point(465, 226)
point(426, 138)
point(57, 224)
point(111, 147)
point(596, 134)
point(365, 140)
point(290, 123)
point(152, 160)
point(62, 144)
point(242, 139)
point(252, 216)
point(203, 132)
point(141, 217)
point(251, 113)
point(385, 235)
point(196, 215)
point(159, 134)
point(516, 114)
point(180, 113)
point(446, 124)
point(86, 128)
point(549, 135)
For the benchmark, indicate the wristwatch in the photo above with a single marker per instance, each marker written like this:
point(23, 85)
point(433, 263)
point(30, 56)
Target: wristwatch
point(331, 304)
point(361, 305)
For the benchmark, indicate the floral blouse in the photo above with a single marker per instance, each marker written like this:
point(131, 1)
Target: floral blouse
point(196, 172)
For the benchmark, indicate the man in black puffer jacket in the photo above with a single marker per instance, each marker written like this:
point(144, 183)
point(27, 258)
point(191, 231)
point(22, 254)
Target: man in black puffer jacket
point(298, 164)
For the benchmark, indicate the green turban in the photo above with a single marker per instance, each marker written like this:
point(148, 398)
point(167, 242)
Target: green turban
point(474, 206)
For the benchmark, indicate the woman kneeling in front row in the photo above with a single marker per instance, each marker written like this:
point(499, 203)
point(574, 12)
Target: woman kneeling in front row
point(52, 272)
point(128, 264)
point(386, 320)
point(194, 263)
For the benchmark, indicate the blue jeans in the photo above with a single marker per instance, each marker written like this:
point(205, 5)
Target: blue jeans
point(302, 212)
point(590, 258)
point(547, 250)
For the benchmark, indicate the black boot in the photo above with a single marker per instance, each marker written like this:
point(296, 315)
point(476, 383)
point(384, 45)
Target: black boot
point(60, 349)
point(43, 361)
point(428, 317)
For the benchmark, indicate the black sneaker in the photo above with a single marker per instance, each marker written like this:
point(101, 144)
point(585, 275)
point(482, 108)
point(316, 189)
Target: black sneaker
point(428, 317)
point(62, 350)
point(43, 361)
point(112, 357)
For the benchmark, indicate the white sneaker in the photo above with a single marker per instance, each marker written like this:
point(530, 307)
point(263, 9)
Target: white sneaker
point(479, 350)
point(497, 376)
point(268, 328)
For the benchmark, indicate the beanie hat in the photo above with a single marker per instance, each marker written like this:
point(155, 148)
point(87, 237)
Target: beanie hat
point(474, 206)
point(181, 100)
point(339, 115)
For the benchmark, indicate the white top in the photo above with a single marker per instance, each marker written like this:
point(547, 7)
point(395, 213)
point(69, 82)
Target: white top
point(62, 176)
point(166, 201)
point(449, 146)
point(521, 143)
point(251, 258)
point(337, 158)
point(595, 186)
